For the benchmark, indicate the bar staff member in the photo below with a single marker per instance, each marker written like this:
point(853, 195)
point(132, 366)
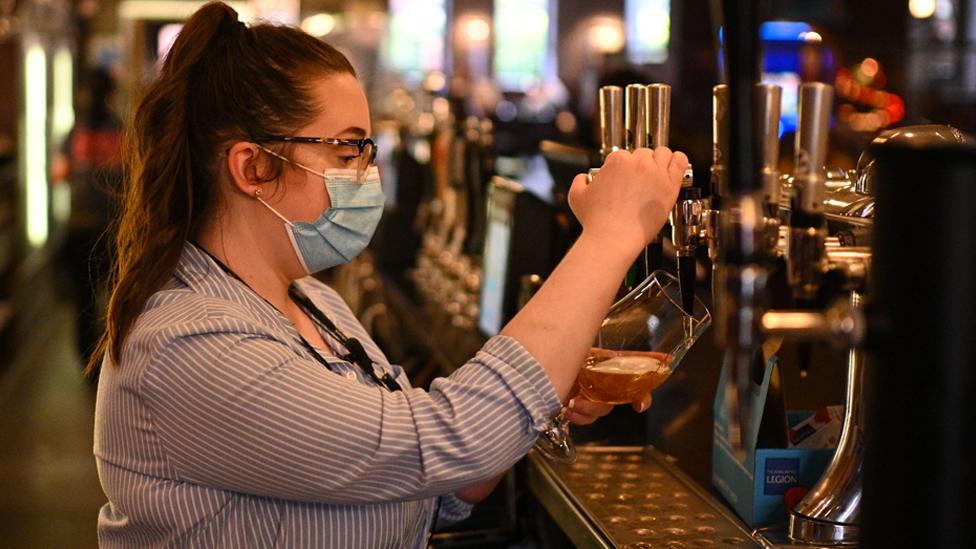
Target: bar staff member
point(240, 402)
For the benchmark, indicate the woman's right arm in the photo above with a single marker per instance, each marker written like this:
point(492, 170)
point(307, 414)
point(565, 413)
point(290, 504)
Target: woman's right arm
point(621, 211)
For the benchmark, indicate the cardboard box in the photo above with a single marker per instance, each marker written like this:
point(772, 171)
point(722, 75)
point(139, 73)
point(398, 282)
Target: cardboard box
point(757, 484)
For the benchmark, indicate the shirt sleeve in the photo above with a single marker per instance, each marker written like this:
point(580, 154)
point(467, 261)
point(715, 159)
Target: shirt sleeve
point(242, 412)
point(451, 509)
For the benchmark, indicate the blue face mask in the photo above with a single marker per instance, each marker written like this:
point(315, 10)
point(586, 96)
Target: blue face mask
point(344, 230)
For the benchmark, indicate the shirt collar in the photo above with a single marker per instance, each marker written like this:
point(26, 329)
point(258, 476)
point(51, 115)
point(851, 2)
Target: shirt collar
point(201, 274)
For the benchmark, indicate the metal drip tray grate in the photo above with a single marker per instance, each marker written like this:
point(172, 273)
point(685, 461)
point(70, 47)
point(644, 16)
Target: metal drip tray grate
point(637, 500)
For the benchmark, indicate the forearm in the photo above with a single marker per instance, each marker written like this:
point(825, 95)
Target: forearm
point(478, 492)
point(558, 325)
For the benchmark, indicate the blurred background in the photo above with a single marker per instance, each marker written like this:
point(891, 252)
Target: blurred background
point(530, 68)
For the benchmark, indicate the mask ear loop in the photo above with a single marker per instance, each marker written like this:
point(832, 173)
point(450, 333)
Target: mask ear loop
point(257, 195)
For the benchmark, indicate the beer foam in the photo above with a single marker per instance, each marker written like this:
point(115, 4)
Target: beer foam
point(638, 365)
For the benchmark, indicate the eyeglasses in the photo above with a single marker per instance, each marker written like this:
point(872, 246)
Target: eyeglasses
point(364, 158)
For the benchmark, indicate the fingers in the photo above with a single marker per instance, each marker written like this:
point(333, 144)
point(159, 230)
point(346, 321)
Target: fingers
point(576, 191)
point(616, 156)
point(662, 155)
point(643, 404)
point(583, 412)
point(677, 165)
point(644, 157)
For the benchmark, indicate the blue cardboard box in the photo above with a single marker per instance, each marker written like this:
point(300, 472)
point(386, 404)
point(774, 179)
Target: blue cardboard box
point(756, 483)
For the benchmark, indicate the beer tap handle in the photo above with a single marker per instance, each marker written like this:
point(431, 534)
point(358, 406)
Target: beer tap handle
point(810, 151)
point(768, 112)
point(807, 249)
point(658, 115)
point(611, 120)
point(658, 122)
point(635, 117)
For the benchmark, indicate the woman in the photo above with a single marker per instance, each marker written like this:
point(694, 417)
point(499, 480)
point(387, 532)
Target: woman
point(234, 408)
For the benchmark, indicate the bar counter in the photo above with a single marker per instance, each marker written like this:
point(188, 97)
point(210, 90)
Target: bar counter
point(631, 497)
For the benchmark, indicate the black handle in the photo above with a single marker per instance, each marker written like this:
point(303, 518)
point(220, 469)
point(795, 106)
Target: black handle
point(686, 281)
point(654, 255)
point(741, 41)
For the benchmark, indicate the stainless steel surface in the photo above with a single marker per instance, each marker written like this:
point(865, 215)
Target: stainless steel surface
point(806, 260)
point(720, 140)
point(830, 512)
point(916, 136)
point(853, 262)
point(635, 116)
point(687, 223)
point(776, 537)
point(611, 119)
point(658, 114)
point(688, 178)
point(631, 497)
point(842, 324)
point(686, 226)
point(810, 153)
point(769, 96)
point(718, 173)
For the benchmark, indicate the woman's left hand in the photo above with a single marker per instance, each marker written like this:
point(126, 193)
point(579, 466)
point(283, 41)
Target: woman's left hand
point(580, 411)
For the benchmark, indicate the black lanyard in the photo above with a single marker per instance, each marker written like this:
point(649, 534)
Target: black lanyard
point(356, 355)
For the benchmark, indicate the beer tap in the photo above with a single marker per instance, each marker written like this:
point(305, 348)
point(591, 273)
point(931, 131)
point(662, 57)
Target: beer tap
point(687, 234)
point(718, 175)
point(636, 124)
point(740, 284)
point(807, 222)
point(612, 129)
point(635, 116)
point(767, 115)
point(768, 97)
point(808, 226)
point(658, 113)
point(830, 514)
point(611, 120)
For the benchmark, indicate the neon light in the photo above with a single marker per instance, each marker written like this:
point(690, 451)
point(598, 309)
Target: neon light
point(35, 144)
point(63, 115)
point(784, 31)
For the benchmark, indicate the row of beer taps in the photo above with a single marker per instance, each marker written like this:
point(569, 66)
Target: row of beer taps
point(777, 229)
point(458, 160)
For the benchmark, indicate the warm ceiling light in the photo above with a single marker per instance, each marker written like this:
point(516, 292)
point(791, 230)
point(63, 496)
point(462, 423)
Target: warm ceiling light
point(320, 24)
point(607, 36)
point(476, 29)
point(921, 9)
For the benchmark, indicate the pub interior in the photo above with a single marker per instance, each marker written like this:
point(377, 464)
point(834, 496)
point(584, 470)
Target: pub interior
point(809, 355)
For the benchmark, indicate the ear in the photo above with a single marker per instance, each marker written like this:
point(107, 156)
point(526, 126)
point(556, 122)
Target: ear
point(246, 164)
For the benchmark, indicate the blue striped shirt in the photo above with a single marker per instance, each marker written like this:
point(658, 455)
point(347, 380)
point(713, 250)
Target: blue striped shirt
point(219, 429)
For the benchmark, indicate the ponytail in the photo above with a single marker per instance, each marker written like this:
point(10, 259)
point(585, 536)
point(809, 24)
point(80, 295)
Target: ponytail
point(221, 82)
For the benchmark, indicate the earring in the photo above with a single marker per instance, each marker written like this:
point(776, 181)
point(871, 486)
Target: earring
point(257, 192)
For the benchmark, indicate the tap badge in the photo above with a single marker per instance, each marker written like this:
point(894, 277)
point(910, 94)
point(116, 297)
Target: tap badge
point(781, 475)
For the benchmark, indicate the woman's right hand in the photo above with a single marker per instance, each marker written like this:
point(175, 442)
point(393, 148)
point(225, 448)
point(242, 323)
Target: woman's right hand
point(628, 201)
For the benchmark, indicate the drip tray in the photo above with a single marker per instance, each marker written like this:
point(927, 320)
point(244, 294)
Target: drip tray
point(632, 497)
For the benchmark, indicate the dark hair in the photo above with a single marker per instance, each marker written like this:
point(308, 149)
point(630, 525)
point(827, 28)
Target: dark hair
point(221, 82)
